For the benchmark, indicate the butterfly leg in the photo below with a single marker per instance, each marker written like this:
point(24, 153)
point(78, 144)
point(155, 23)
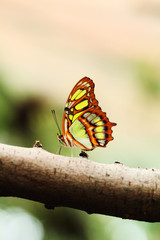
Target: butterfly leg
point(83, 154)
point(59, 149)
point(71, 151)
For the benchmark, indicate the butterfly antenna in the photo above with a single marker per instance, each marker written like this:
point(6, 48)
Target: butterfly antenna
point(55, 119)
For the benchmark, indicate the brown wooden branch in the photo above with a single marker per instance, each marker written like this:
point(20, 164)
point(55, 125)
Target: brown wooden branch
point(111, 189)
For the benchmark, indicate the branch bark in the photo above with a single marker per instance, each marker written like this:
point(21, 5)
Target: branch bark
point(111, 189)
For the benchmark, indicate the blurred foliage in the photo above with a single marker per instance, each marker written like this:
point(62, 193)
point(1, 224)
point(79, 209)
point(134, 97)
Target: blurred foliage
point(24, 119)
point(148, 79)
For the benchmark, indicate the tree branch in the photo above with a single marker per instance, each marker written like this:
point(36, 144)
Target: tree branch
point(111, 189)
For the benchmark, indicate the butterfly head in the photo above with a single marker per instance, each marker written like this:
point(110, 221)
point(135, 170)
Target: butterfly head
point(67, 111)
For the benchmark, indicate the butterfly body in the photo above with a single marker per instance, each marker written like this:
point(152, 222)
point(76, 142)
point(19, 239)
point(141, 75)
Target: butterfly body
point(85, 125)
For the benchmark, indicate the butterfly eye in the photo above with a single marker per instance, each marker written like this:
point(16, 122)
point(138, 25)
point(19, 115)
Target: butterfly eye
point(66, 109)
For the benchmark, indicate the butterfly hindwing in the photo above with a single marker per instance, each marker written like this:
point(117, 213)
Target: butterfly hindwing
point(92, 129)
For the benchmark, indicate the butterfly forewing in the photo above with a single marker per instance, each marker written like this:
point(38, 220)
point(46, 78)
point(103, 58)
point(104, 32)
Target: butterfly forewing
point(85, 125)
point(81, 98)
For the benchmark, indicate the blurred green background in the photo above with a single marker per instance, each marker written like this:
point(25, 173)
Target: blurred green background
point(45, 48)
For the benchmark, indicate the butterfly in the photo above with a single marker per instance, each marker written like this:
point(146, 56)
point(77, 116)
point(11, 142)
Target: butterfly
point(85, 125)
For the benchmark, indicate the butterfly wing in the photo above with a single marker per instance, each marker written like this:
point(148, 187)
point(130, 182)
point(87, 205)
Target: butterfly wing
point(81, 97)
point(84, 124)
point(91, 129)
